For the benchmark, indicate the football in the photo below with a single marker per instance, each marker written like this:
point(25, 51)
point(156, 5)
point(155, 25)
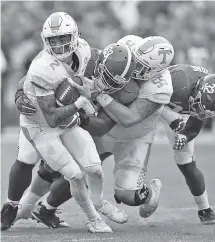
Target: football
point(128, 93)
point(67, 94)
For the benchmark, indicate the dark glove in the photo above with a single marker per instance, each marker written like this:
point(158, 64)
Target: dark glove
point(24, 104)
point(177, 125)
point(80, 118)
point(84, 119)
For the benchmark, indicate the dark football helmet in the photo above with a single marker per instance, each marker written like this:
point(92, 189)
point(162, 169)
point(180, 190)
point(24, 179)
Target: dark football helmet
point(115, 68)
point(202, 98)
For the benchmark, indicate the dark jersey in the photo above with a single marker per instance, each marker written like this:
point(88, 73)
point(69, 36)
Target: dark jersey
point(184, 77)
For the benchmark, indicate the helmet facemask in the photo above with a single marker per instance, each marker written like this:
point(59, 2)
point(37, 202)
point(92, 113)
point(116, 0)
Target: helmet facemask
point(108, 83)
point(196, 105)
point(144, 71)
point(67, 48)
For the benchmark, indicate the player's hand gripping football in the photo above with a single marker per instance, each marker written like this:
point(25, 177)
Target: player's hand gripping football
point(80, 118)
point(24, 104)
point(85, 89)
point(180, 142)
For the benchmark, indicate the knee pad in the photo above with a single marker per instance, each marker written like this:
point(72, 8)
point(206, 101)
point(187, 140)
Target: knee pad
point(129, 177)
point(183, 158)
point(71, 171)
point(95, 171)
point(47, 173)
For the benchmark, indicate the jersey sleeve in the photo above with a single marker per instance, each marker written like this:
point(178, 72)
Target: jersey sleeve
point(93, 62)
point(40, 87)
point(158, 89)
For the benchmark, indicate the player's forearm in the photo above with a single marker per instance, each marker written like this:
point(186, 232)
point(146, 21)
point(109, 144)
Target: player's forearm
point(55, 115)
point(99, 126)
point(119, 113)
point(192, 128)
point(60, 114)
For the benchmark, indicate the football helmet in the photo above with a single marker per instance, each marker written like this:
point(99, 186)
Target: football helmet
point(202, 98)
point(115, 68)
point(60, 24)
point(153, 53)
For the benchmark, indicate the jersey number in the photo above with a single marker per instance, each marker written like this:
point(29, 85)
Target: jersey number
point(53, 64)
point(159, 82)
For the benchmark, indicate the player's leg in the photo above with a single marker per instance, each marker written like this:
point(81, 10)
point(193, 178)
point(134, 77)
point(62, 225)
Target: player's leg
point(49, 145)
point(59, 194)
point(185, 160)
point(131, 158)
point(85, 153)
point(19, 179)
point(39, 186)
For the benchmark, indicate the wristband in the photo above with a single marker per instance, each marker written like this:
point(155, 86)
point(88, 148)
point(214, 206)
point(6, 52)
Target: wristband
point(79, 102)
point(18, 94)
point(104, 99)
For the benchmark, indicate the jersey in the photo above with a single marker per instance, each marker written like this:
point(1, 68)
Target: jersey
point(158, 90)
point(46, 73)
point(184, 77)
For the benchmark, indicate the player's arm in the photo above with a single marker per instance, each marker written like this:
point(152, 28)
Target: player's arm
point(99, 125)
point(23, 103)
point(139, 110)
point(191, 130)
point(55, 115)
point(173, 118)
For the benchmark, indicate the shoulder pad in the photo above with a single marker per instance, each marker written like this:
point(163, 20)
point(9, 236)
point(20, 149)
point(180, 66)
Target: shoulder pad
point(93, 62)
point(83, 53)
point(159, 89)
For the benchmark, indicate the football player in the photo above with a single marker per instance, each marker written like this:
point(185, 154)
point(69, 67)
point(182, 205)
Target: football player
point(193, 99)
point(203, 107)
point(63, 55)
point(131, 138)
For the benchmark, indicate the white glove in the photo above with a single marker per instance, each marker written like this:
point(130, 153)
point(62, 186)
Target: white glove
point(180, 142)
point(86, 105)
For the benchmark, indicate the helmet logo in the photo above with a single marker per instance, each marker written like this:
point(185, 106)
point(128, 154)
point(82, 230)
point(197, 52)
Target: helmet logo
point(164, 53)
point(209, 88)
point(107, 52)
point(55, 24)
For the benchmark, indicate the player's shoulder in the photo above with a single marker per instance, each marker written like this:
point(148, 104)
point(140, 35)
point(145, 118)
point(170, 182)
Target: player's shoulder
point(158, 88)
point(93, 62)
point(44, 70)
point(83, 47)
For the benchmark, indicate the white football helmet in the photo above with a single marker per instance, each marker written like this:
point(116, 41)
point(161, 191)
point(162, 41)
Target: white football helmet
point(58, 24)
point(130, 41)
point(153, 53)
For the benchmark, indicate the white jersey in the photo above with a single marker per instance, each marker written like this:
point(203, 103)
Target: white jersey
point(158, 90)
point(45, 74)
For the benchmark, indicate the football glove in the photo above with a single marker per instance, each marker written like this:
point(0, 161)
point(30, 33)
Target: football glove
point(70, 122)
point(80, 118)
point(24, 104)
point(180, 141)
point(177, 125)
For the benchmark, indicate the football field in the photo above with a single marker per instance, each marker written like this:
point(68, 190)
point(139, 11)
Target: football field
point(175, 219)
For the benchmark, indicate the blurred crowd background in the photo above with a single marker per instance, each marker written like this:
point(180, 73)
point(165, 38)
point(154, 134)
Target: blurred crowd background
point(190, 27)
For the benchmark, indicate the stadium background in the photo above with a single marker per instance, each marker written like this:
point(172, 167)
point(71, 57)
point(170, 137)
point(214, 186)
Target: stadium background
point(190, 28)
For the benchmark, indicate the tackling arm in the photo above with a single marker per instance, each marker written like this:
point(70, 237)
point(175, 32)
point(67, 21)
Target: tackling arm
point(192, 128)
point(100, 125)
point(139, 110)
